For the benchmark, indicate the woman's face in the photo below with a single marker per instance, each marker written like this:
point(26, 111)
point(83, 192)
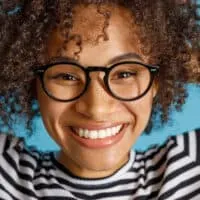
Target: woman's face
point(96, 110)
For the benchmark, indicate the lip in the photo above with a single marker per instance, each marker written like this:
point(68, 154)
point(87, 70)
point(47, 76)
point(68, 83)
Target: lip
point(99, 143)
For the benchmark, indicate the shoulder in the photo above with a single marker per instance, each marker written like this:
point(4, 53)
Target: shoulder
point(182, 167)
point(16, 155)
point(173, 166)
point(21, 168)
point(187, 145)
point(9, 142)
point(176, 147)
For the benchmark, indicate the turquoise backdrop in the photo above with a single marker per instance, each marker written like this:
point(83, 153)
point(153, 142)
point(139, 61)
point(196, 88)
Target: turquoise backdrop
point(187, 119)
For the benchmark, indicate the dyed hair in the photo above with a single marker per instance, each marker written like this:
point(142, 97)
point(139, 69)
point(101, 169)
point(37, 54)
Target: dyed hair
point(168, 34)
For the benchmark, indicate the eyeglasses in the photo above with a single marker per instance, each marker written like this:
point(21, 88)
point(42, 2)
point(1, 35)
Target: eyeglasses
point(67, 81)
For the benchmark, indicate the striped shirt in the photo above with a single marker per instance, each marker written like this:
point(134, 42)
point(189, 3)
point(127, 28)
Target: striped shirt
point(170, 171)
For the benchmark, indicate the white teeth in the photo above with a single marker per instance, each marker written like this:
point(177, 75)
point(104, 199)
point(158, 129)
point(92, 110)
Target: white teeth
point(86, 133)
point(93, 135)
point(98, 134)
point(81, 132)
point(102, 134)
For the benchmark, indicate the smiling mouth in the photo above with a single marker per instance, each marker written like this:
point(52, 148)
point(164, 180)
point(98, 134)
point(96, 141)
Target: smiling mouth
point(97, 134)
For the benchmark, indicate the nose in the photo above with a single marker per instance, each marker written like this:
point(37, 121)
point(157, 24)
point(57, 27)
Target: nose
point(96, 104)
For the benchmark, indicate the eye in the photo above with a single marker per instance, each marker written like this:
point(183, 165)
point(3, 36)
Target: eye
point(65, 76)
point(126, 74)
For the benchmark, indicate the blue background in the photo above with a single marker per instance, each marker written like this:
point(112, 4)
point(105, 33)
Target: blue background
point(187, 119)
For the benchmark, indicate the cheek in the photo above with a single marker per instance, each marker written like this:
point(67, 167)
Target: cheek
point(52, 112)
point(141, 110)
point(50, 109)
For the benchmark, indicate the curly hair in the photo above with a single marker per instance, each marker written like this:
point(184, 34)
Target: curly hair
point(168, 33)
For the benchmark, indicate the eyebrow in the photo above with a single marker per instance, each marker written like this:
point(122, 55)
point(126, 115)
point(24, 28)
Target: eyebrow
point(116, 59)
point(125, 56)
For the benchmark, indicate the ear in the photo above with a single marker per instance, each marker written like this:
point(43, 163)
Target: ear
point(155, 88)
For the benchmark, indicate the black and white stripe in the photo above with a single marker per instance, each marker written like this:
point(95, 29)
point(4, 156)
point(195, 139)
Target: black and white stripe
point(170, 171)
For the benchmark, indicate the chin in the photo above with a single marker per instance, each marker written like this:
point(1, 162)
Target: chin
point(110, 165)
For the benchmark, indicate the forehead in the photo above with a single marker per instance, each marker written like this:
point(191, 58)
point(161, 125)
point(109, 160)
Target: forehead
point(102, 26)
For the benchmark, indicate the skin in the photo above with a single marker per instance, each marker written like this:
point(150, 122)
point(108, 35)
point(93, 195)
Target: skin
point(96, 107)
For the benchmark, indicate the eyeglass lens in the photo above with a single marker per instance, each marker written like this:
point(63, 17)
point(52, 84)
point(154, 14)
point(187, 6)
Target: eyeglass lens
point(67, 81)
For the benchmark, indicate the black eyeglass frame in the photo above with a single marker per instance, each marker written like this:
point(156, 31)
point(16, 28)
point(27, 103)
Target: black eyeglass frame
point(153, 70)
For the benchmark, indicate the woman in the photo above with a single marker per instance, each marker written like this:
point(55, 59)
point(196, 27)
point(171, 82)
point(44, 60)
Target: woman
point(96, 69)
